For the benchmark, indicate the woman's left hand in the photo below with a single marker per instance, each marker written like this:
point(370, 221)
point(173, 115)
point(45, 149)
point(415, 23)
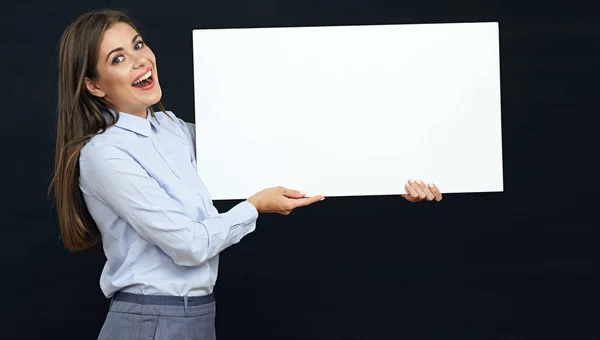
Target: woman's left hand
point(419, 191)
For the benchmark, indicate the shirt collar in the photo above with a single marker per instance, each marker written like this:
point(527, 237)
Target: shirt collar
point(136, 124)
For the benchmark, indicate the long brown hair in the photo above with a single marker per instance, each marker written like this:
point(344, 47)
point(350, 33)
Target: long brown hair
point(80, 117)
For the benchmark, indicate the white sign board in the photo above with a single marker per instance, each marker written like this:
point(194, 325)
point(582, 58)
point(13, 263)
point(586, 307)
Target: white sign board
point(348, 110)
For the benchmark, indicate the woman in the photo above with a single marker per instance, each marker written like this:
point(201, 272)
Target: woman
point(126, 176)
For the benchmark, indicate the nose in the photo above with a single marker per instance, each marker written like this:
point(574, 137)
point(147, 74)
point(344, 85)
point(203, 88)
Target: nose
point(141, 62)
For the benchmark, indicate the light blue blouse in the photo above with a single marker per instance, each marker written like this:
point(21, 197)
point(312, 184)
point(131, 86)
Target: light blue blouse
point(160, 231)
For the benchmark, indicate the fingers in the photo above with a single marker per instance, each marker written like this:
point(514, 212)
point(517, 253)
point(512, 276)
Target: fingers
point(416, 186)
point(291, 193)
point(302, 202)
point(293, 203)
point(435, 191)
point(296, 199)
point(412, 195)
point(428, 194)
point(418, 191)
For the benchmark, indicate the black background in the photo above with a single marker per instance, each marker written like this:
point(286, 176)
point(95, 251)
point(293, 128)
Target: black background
point(522, 264)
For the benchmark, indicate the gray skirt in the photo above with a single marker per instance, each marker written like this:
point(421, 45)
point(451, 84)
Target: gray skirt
point(151, 317)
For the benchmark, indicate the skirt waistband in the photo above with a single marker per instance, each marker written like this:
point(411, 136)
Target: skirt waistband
point(164, 300)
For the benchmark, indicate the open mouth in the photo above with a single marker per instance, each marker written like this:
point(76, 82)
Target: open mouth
point(144, 80)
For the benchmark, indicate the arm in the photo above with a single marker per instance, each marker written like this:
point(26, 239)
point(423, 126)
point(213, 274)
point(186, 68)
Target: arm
point(191, 127)
point(114, 177)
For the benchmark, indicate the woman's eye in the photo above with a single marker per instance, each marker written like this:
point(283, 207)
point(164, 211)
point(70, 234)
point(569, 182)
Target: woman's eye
point(139, 45)
point(117, 59)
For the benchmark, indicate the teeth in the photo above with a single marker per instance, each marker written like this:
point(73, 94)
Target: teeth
point(144, 77)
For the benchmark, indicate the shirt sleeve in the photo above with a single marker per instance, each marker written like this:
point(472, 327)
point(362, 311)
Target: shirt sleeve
point(114, 177)
point(190, 130)
point(191, 127)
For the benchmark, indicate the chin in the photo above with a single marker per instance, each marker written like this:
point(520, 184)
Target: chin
point(155, 97)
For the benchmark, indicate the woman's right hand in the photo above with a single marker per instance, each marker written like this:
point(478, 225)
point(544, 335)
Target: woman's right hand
point(281, 200)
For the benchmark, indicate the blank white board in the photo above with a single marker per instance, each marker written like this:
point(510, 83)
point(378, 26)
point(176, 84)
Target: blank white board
point(348, 110)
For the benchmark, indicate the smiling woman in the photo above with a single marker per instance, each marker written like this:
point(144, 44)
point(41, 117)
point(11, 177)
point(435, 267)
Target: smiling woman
point(126, 175)
point(127, 77)
point(93, 91)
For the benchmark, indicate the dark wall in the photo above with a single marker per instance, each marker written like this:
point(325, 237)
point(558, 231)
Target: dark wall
point(522, 264)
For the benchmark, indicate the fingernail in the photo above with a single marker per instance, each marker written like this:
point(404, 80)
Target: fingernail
point(419, 181)
point(411, 180)
point(431, 185)
point(302, 193)
point(322, 198)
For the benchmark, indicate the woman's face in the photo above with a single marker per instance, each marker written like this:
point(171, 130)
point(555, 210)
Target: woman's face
point(127, 77)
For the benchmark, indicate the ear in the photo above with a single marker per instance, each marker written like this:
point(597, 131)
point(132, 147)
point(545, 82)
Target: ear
point(92, 87)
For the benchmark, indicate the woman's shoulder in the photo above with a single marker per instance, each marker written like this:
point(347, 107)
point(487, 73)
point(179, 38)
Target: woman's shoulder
point(102, 144)
point(170, 118)
point(167, 114)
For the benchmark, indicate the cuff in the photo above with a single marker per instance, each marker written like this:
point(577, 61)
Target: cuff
point(244, 212)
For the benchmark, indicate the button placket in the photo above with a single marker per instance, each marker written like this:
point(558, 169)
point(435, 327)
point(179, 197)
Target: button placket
point(162, 155)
